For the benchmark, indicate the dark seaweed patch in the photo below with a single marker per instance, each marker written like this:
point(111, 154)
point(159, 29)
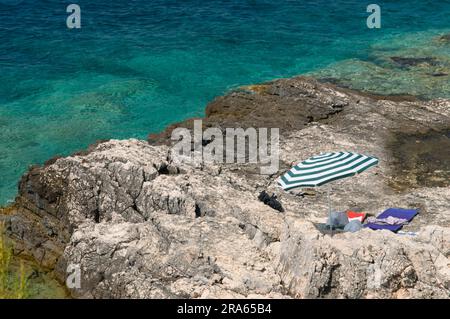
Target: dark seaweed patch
point(421, 160)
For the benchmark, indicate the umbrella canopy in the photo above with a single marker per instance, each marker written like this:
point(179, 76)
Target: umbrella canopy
point(325, 168)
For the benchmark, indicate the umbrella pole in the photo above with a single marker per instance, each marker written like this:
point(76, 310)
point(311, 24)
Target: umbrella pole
point(329, 208)
point(329, 201)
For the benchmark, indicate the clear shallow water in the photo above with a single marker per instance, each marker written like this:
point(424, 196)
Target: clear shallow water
point(137, 65)
point(416, 64)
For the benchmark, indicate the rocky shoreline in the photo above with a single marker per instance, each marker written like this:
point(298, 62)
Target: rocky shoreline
point(141, 225)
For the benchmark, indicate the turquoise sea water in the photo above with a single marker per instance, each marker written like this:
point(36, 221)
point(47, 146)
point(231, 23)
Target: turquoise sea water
point(136, 66)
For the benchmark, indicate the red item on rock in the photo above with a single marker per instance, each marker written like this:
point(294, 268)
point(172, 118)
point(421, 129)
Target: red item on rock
point(355, 216)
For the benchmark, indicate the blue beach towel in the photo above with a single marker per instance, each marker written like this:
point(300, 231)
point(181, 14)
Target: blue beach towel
point(401, 213)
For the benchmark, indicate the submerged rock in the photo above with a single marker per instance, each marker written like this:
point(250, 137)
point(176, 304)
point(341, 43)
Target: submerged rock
point(419, 69)
point(445, 38)
point(141, 225)
point(438, 74)
point(408, 62)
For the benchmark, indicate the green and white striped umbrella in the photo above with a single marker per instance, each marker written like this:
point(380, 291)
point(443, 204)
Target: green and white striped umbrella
point(325, 168)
